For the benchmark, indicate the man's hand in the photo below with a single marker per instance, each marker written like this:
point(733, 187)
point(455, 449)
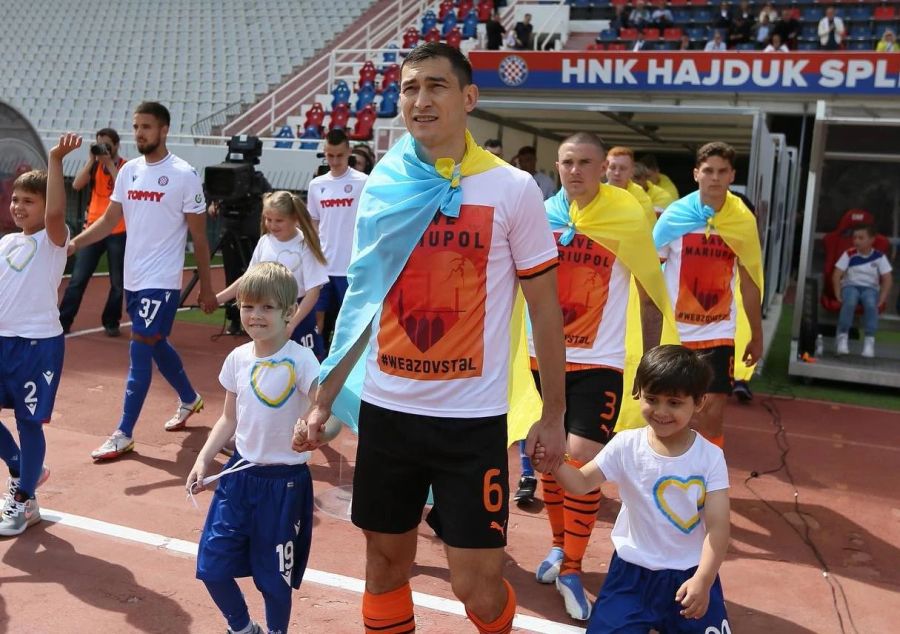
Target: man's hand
point(306, 431)
point(68, 142)
point(753, 351)
point(550, 436)
point(693, 595)
point(208, 301)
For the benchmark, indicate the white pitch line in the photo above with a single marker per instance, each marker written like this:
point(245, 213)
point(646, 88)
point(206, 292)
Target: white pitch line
point(319, 577)
point(126, 324)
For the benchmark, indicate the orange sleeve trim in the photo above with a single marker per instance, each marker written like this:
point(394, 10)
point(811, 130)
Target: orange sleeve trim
point(706, 345)
point(540, 269)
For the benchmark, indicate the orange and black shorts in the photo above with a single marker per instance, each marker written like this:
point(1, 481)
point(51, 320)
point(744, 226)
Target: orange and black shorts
point(462, 460)
point(593, 402)
point(721, 360)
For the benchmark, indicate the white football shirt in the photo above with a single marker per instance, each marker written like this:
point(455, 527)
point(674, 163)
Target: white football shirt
point(332, 202)
point(272, 393)
point(296, 255)
point(155, 198)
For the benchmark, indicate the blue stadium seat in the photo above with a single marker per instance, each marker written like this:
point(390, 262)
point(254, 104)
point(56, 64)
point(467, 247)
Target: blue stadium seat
point(745, 46)
point(449, 23)
point(697, 33)
point(388, 105)
point(702, 16)
point(812, 14)
point(861, 45)
point(429, 21)
point(860, 32)
point(807, 46)
point(681, 16)
point(860, 13)
point(364, 96)
point(284, 133)
point(340, 94)
point(608, 35)
point(310, 133)
point(809, 33)
point(470, 25)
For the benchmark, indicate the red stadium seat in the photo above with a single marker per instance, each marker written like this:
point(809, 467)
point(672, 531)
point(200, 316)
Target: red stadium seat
point(365, 120)
point(595, 46)
point(411, 37)
point(699, 3)
point(390, 76)
point(838, 241)
point(433, 35)
point(672, 34)
point(464, 7)
point(629, 35)
point(315, 116)
point(367, 73)
point(339, 117)
point(485, 8)
point(678, 3)
point(616, 46)
point(651, 34)
point(883, 13)
point(445, 8)
point(454, 37)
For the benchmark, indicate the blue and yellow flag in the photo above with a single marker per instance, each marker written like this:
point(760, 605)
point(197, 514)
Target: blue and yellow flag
point(399, 200)
point(737, 226)
point(615, 220)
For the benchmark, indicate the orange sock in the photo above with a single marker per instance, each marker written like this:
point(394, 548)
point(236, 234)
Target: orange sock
point(389, 612)
point(580, 513)
point(503, 623)
point(718, 441)
point(553, 502)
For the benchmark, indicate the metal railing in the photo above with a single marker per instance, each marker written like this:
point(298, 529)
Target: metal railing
point(204, 127)
point(384, 24)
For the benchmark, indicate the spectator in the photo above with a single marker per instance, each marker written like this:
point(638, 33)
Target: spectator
point(640, 15)
point(769, 12)
point(619, 20)
point(661, 17)
point(762, 30)
point(717, 43)
point(639, 43)
point(887, 43)
point(723, 21)
point(742, 25)
point(788, 27)
point(365, 158)
point(523, 32)
point(494, 146)
point(527, 161)
point(495, 32)
point(776, 45)
point(831, 31)
point(685, 42)
point(100, 173)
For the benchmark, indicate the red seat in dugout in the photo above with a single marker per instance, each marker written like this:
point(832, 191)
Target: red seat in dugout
point(836, 242)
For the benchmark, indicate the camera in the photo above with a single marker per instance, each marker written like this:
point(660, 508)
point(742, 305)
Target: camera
point(100, 149)
point(236, 184)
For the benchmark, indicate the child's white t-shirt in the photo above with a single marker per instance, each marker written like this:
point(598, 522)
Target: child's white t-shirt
point(863, 270)
point(661, 525)
point(31, 268)
point(272, 393)
point(296, 255)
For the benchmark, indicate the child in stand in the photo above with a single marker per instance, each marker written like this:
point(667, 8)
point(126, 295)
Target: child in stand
point(672, 531)
point(862, 275)
point(260, 518)
point(31, 339)
point(289, 237)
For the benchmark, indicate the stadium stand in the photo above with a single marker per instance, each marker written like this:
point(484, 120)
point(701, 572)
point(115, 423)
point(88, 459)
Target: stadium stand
point(195, 57)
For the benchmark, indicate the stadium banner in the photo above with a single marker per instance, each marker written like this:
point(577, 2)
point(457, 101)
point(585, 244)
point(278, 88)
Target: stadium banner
point(856, 73)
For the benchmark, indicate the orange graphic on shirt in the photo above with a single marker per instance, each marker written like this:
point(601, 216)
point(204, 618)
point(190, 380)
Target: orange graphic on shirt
point(585, 268)
point(707, 268)
point(432, 322)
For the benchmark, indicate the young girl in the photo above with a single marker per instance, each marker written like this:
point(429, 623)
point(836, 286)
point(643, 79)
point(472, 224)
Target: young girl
point(31, 339)
point(288, 237)
point(260, 518)
point(672, 531)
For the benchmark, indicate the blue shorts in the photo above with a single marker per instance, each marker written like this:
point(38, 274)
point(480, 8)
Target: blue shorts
point(331, 295)
point(152, 311)
point(305, 334)
point(635, 599)
point(259, 525)
point(29, 376)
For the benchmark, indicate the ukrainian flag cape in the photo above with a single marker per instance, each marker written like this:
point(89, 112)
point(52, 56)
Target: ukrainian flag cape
point(399, 200)
point(737, 226)
point(613, 220)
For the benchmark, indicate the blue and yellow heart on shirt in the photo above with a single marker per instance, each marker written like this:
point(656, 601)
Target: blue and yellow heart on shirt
point(273, 381)
point(675, 499)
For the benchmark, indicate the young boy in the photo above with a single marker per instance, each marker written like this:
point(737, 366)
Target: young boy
point(31, 339)
point(862, 275)
point(260, 518)
point(673, 528)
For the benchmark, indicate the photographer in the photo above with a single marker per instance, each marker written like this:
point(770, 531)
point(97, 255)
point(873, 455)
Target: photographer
point(100, 173)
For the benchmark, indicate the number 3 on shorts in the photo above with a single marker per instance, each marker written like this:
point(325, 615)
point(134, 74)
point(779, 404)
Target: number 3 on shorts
point(149, 308)
point(493, 492)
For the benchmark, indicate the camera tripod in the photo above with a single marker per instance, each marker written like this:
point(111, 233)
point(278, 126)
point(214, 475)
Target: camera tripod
point(231, 241)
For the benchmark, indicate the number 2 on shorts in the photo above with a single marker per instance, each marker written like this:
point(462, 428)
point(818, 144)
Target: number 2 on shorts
point(493, 492)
